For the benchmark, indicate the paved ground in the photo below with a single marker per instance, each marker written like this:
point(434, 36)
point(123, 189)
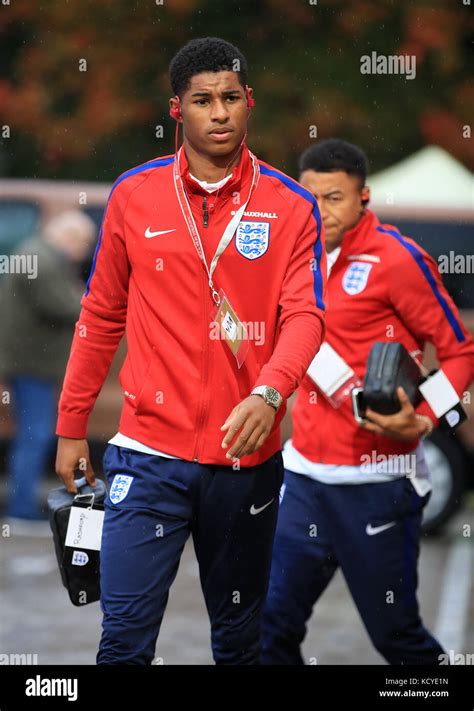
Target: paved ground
point(37, 617)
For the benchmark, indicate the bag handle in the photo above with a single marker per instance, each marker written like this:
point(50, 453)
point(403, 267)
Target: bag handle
point(80, 483)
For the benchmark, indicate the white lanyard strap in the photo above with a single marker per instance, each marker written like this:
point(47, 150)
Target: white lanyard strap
point(191, 224)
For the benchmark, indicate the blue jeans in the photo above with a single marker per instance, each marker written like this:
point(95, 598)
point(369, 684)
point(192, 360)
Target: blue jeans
point(34, 403)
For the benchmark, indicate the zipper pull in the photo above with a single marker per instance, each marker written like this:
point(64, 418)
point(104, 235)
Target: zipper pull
point(206, 214)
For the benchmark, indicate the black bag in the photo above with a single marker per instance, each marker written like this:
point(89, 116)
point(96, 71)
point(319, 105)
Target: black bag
point(79, 567)
point(389, 366)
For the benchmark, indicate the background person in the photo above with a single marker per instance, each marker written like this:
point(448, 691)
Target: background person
point(334, 511)
point(38, 316)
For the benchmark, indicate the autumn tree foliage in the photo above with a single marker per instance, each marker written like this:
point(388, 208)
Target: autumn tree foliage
point(84, 87)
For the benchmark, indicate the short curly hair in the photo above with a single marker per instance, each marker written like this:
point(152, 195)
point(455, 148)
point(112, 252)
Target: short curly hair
point(334, 154)
point(206, 54)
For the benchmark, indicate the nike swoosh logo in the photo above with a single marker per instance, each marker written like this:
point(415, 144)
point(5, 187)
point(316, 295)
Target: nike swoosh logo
point(373, 530)
point(149, 234)
point(255, 511)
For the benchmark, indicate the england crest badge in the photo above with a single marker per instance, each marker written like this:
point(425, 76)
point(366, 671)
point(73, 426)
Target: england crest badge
point(252, 239)
point(120, 487)
point(355, 277)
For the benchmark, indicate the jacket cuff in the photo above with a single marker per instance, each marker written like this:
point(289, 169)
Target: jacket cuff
point(71, 425)
point(280, 382)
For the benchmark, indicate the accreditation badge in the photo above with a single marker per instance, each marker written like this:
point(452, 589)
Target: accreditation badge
point(333, 376)
point(231, 329)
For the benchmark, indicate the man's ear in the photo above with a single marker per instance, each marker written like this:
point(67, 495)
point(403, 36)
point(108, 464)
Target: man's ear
point(175, 109)
point(365, 195)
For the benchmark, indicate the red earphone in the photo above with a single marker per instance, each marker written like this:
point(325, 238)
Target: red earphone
point(250, 99)
point(176, 111)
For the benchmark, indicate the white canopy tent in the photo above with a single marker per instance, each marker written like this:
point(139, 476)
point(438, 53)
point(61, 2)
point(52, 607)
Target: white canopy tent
point(430, 184)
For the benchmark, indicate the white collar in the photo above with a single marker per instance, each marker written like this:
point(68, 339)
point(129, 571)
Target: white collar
point(332, 257)
point(211, 187)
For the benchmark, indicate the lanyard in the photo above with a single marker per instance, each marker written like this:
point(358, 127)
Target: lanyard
point(191, 224)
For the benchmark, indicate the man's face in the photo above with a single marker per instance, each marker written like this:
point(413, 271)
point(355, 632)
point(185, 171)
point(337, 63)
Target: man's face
point(214, 112)
point(339, 198)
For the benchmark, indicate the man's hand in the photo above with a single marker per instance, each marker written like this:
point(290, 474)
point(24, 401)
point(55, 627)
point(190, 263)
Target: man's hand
point(254, 419)
point(73, 454)
point(404, 424)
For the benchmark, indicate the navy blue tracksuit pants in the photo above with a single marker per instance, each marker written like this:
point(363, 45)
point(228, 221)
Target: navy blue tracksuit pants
point(158, 503)
point(323, 526)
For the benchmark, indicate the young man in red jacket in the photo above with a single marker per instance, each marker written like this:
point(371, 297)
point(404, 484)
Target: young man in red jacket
point(213, 263)
point(353, 494)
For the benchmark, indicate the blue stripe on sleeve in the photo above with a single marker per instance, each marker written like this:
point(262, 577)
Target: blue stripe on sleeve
point(418, 257)
point(317, 247)
point(133, 171)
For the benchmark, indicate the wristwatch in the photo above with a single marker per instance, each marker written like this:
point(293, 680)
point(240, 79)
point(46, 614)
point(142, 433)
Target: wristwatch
point(270, 395)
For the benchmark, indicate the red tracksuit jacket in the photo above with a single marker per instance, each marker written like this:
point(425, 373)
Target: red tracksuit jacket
point(382, 287)
point(180, 385)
